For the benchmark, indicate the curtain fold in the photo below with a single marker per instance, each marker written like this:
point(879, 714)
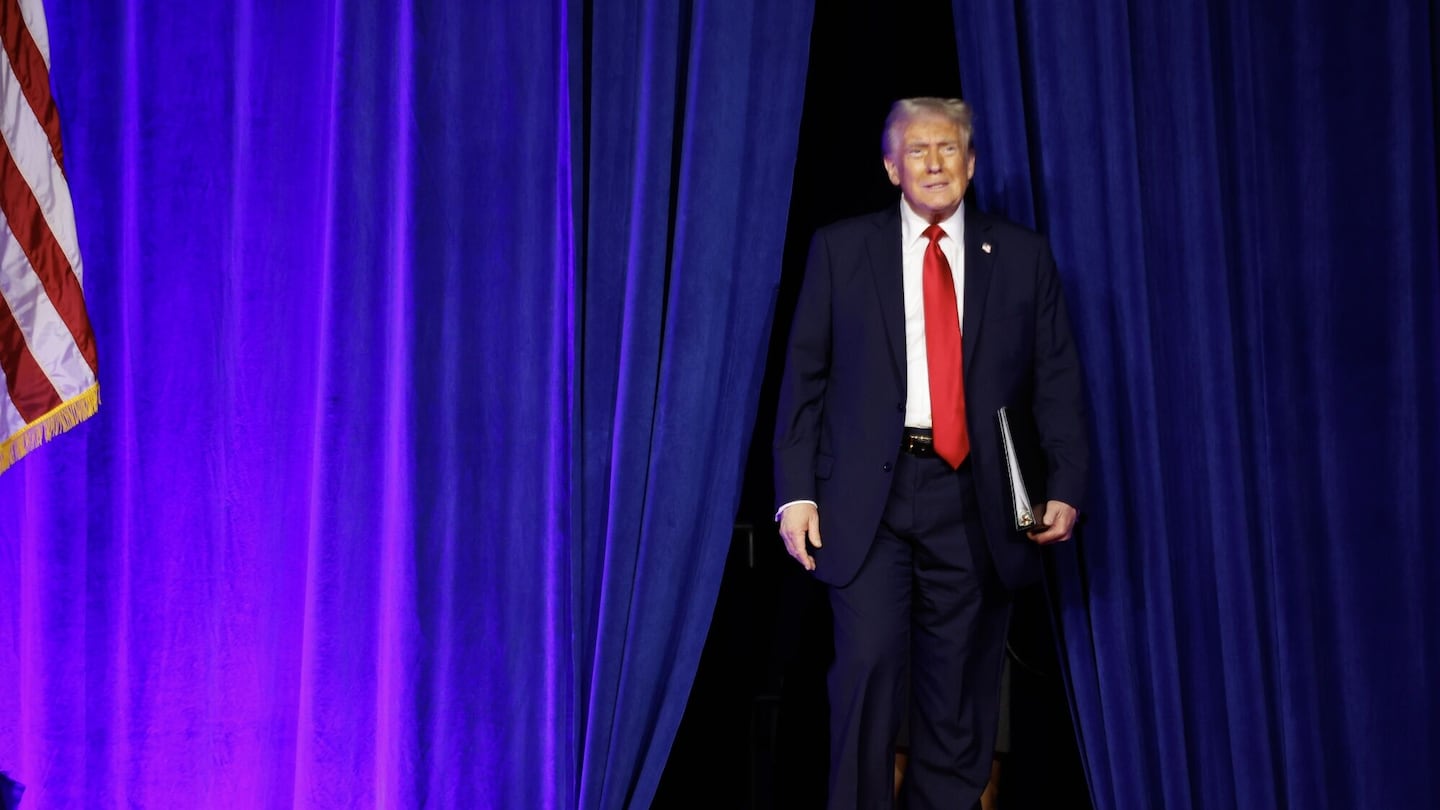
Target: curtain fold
point(431, 335)
point(1243, 204)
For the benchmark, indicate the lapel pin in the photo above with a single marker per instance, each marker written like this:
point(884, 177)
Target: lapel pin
point(985, 246)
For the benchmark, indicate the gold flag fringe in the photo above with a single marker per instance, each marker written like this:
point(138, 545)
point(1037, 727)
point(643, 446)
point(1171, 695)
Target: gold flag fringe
point(60, 419)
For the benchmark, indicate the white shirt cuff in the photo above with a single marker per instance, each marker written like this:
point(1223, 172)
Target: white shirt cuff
point(781, 510)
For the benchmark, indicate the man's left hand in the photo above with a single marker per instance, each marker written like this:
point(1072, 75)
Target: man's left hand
point(1059, 523)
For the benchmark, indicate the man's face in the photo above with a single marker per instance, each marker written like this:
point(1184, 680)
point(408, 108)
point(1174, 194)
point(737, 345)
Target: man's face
point(932, 164)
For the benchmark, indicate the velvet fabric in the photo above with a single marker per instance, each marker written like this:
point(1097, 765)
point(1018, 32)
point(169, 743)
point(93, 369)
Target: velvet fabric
point(430, 339)
point(1242, 202)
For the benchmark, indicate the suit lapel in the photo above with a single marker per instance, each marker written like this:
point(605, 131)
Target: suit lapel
point(885, 262)
point(979, 267)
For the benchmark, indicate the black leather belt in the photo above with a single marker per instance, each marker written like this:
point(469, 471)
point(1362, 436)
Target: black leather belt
point(918, 442)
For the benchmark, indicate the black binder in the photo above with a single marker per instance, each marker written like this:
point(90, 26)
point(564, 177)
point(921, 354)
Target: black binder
point(1026, 518)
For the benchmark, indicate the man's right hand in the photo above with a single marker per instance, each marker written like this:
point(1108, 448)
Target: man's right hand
point(800, 521)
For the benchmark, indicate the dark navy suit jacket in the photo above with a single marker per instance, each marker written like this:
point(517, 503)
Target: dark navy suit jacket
point(841, 410)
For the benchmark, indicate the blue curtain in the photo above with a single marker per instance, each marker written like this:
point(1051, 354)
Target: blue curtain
point(1243, 201)
point(695, 117)
point(430, 339)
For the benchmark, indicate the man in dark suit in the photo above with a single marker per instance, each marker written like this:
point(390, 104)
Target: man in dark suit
point(913, 327)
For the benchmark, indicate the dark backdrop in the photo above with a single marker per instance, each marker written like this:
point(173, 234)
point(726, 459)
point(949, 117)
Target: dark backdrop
point(754, 732)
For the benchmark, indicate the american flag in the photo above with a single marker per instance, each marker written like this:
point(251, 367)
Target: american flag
point(47, 350)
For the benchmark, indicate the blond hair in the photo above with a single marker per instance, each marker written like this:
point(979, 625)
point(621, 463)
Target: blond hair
point(906, 110)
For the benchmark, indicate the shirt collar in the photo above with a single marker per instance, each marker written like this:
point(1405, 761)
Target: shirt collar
point(912, 225)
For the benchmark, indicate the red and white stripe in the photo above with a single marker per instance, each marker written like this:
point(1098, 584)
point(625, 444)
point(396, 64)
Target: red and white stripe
point(47, 349)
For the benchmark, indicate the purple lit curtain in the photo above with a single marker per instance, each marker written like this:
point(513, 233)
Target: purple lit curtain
point(1243, 202)
point(430, 341)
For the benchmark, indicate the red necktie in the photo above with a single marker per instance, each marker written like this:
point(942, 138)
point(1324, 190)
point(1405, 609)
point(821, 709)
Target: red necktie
point(942, 348)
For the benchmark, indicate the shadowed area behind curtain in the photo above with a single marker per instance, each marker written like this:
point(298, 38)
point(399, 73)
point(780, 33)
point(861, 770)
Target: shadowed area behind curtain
point(412, 481)
point(1242, 200)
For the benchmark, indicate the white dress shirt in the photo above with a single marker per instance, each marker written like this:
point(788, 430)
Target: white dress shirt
point(913, 244)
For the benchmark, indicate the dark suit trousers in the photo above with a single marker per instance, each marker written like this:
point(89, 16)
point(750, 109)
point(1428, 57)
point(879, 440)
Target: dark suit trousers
point(926, 606)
